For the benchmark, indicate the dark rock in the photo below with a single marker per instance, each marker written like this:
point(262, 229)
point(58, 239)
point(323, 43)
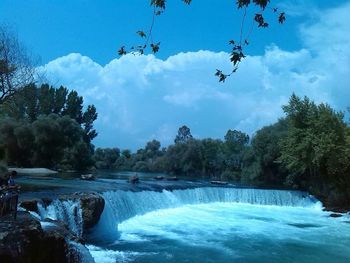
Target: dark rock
point(219, 182)
point(46, 201)
point(134, 179)
point(92, 206)
point(87, 177)
point(335, 215)
point(30, 205)
point(174, 178)
point(24, 241)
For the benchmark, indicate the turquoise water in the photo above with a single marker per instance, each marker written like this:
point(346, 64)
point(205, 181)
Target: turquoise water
point(218, 225)
point(143, 223)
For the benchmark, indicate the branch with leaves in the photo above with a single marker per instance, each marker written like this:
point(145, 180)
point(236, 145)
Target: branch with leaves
point(237, 53)
point(16, 70)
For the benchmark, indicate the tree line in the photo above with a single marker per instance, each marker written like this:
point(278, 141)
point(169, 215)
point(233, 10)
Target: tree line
point(43, 126)
point(308, 149)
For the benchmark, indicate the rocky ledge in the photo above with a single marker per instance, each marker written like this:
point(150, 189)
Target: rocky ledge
point(26, 240)
point(92, 205)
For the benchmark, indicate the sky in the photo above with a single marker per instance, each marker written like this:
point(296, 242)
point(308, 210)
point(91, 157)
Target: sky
point(140, 98)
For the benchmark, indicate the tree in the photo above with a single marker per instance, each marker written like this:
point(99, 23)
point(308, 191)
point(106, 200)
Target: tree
point(16, 70)
point(315, 149)
point(262, 165)
point(213, 160)
point(183, 135)
point(106, 158)
point(89, 116)
point(152, 149)
point(236, 140)
point(74, 106)
point(32, 101)
point(46, 99)
point(234, 146)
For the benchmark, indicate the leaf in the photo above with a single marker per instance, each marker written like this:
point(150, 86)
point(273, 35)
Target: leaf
point(236, 57)
point(261, 3)
point(282, 18)
point(155, 47)
point(122, 51)
point(260, 20)
point(187, 1)
point(158, 3)
point(222, 77)
point(231, 42)
point(141, 33)
point(242, 3)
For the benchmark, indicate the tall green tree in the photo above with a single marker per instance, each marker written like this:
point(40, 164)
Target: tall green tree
point(88, 118)
point(315, 150)
point(183, 135)
point(74, 106)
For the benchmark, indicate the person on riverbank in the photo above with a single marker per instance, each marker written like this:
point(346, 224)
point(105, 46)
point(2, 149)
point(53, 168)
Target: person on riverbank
point(11, 184)
point(9, 195)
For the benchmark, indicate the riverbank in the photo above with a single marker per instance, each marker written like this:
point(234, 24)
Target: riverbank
point(32, 171)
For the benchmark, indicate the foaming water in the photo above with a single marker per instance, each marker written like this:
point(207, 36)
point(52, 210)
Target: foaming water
point(218, 225)
point(122, 205)
point(68, 211)
point(230, 232)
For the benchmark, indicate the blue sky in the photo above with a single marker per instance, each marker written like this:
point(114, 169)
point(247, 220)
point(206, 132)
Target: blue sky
point(97, 28)
point(142, 98)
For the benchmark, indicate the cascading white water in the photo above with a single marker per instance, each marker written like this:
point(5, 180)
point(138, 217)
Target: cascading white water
point(121, 205)
point(67, 211)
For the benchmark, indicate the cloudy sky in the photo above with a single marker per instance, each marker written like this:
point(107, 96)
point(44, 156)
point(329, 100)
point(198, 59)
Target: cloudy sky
point(140, 98)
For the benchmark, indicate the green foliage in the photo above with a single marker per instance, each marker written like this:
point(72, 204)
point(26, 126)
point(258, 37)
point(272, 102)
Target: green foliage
point(32, 101)
point(262, 165)
point(309, 149)
point(45, 126)
point(183, 135)
point(3, 168)
point(316, 150)
point(49, 141)
point(106, 158)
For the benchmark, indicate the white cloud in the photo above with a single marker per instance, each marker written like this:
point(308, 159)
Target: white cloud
point(139, 98)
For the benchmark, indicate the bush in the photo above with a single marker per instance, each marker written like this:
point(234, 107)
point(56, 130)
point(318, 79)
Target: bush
point(3, 168)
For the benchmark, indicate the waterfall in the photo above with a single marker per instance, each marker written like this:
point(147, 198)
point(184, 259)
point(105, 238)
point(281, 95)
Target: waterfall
point(121, 205)
point(79, 253)
point(67, 211)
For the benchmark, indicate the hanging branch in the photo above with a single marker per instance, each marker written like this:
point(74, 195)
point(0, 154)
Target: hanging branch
point(237, 52)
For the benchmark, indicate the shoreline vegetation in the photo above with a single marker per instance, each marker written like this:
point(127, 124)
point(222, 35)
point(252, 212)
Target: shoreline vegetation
point(308, 149)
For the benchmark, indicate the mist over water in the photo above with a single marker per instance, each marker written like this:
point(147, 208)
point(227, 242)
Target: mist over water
point(218, 225)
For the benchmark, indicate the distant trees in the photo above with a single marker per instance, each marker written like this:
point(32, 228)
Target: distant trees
point(16, 70)
point(45, 126)
point(308, 149)
point(187, 156)
point(106, 158)
point(183, 135)
point(261, 160)
point(33, 101)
